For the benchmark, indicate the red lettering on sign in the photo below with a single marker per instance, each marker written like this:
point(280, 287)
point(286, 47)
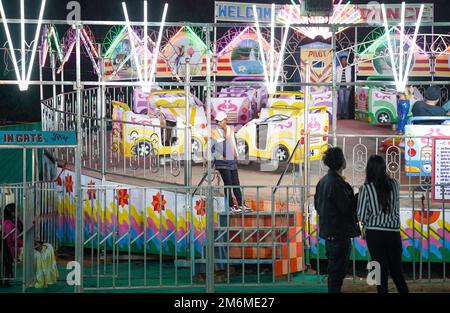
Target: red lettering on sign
point(39, 138)
point(392, 13)
point(32, 137)
point(26, 138)
point(364, 12)
point(19, 138)
point(8, 138)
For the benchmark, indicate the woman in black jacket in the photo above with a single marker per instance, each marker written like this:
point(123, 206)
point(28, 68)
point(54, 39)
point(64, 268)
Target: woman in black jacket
point(335, 204)
point(379, 212)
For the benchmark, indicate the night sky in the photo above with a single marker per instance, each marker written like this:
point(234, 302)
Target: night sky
point(17, 106)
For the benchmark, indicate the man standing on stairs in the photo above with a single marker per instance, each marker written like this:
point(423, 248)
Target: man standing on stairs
point(335, 204)
point(224, 151)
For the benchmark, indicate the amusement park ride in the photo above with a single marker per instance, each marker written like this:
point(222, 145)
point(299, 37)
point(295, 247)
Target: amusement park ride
point(158, 92)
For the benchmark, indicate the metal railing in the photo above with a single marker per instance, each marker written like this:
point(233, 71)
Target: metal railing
point(36, 213)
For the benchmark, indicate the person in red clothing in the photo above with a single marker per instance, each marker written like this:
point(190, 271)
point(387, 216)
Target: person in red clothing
point(11, 241)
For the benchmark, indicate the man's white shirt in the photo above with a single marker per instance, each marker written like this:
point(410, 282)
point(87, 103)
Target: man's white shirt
point(348, 74)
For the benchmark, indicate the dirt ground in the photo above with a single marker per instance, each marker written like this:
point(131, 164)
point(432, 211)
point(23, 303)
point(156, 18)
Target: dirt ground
point(424, 286)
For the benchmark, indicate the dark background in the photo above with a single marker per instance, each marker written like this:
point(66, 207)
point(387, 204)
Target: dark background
point(24, 106)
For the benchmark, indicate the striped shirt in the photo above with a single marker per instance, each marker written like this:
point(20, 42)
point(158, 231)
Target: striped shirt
point(370, 212)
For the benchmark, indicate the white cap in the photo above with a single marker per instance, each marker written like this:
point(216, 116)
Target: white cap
point(221, 116)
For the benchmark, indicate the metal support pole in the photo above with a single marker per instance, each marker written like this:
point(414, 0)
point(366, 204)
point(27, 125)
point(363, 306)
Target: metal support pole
point(187, 162)
point(210, 202)
point(55, 98)
point(334, 89)
point(41, 87)
point(306, 151)
point(102, 108)
point(24, 219)
point(187, 135)
point(79, 202)
point(216, 58)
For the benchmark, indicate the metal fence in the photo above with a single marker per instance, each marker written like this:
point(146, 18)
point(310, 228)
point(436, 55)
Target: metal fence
point(276, 244)
point(155, 237)
point(36, 213)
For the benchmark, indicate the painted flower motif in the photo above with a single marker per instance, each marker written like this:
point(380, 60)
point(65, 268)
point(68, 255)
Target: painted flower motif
point(200, 206)
point(68, 183)
point(122, 196)
point(426, 217)
point(92, 193)
point(159, 203)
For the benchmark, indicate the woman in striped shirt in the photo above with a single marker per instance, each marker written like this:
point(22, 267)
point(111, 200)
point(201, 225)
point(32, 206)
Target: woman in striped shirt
point(379, 212)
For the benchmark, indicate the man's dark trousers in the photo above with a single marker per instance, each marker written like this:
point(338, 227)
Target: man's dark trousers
point(338, 253)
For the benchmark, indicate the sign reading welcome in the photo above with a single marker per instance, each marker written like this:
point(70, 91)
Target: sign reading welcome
point(370, 13)
point(38, 138)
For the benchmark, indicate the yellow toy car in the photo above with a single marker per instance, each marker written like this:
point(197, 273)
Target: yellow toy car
point(143, 136)
point(284, 102)
point(275, 137)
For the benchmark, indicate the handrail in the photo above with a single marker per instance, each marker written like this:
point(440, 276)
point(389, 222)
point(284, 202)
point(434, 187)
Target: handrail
point(199, 184)
point(285, 170)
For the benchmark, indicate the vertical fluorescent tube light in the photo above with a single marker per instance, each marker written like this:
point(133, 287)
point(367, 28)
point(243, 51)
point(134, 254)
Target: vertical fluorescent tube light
point(33, 52)
point(281, 53)
point(133, 48)
point(155, 53)
point(22, 43)
point(272, 41)
point(10, 44)
point(145, 44)
point(261, 48)
point(411, 51)
point(391, 52)
point(402, 31)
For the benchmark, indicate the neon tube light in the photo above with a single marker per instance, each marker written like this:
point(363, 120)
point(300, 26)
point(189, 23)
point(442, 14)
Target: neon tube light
point(115, 41)
point(10, 45)
point(272, 39)
point(22, 38)
point(261, 48)
point(232, 41)
point(133, 48)
point(89, 42)
point(281, 55)
point(145, 42)
point(54, 35)
point(36, 38)
point(401, 77)
point(411, 51)
point(158, 43)
point(402, 31)
point(271, 78)
point(391, 52)
point(198, 38)
point(24, 81)
point(174, 36)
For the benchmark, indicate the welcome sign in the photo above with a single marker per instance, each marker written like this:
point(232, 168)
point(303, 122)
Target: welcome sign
point(370, 13)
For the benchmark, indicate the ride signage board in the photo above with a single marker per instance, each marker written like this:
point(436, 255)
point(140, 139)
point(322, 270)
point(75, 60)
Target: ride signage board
point(370, 13)
point(440, 178)
point(38, 138)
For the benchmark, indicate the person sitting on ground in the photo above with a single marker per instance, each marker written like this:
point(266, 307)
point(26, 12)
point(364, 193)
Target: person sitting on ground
point(429, 107)
point(46, 271)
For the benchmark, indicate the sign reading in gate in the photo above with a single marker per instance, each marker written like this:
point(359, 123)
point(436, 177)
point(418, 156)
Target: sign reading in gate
point(36, 139)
